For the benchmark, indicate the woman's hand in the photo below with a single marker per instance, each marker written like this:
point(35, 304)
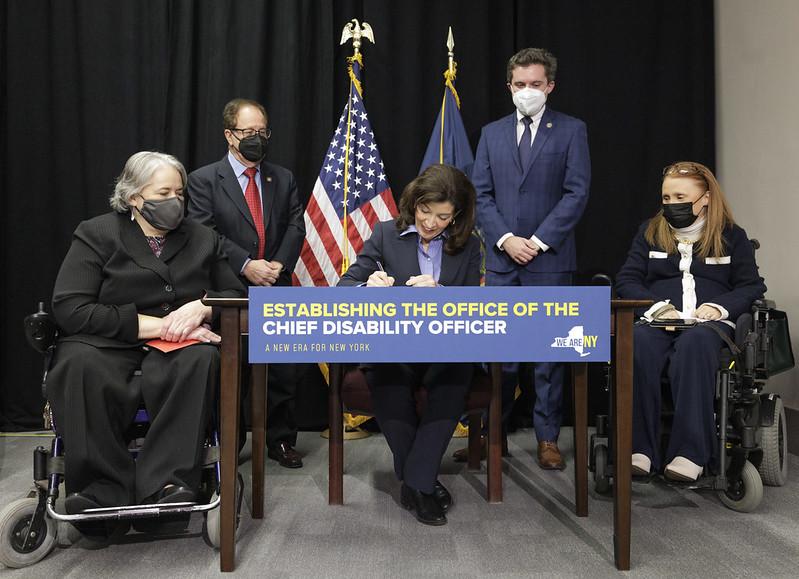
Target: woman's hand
point(672, 314)
point(706, 312)
point(177, 326)
point(204, 334)
point(423, 280)
point(380, 279)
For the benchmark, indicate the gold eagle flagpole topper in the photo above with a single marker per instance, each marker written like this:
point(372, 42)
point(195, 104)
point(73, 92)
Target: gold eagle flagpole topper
point(357, 31)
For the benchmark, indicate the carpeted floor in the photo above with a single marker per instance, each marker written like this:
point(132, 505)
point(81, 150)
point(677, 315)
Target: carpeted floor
point(534, 533)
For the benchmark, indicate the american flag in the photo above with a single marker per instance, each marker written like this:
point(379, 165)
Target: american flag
point(351, 194)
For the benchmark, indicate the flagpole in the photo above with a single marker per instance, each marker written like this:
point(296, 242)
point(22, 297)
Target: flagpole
point(449, 77)
point(355, 31)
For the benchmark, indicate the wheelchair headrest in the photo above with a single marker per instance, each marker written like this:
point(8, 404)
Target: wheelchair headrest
point(40, 330)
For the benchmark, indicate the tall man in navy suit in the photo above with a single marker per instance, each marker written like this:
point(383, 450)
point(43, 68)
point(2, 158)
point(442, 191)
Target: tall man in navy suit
point(532, 175)
point(254, 206)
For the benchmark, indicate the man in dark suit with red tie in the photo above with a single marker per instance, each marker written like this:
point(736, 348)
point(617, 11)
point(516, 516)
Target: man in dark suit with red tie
point(254, 206)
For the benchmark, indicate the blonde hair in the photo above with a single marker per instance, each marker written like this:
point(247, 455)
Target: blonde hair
point(718, 216)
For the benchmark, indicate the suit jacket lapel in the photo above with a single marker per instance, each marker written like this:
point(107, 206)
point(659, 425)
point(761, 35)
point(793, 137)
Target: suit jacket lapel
point(175, 240)
point(450, 264)
point(511, 141)
point(541, 136)
point(231, 187)
point(409, 257)
point(267, 196)
point(135, 242)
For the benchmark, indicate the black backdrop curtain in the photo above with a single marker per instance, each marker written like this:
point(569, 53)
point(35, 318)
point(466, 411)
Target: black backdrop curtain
point(87, 83)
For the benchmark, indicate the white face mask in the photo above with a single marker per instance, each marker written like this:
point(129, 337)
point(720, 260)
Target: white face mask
point(529, 100)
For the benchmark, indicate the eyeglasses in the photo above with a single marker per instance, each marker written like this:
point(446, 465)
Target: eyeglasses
point(682, 169)
point(265, 133)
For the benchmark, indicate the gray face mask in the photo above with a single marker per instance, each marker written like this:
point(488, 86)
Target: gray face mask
point(164, 214)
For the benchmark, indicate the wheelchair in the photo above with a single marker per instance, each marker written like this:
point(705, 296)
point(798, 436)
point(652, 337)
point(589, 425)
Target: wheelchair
point(751, 428)
point(31, 527)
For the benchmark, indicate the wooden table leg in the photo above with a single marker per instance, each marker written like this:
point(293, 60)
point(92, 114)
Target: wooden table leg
point(229, 427)
point(623, 402)
point(335, 488)
point(494, 452)
point(475, 434)
point(580, 393)
point(259, 380)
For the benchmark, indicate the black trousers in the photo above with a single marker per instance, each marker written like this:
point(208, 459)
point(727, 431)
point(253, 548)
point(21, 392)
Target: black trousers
point(281, 394)
point(418, 443)
point(693, 358)
point(94, 400)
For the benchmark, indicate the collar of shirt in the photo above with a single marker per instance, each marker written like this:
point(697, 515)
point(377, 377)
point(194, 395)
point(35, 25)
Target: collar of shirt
point(533, 126)
point(238, 170)
point(536, 117)
point(412, 229)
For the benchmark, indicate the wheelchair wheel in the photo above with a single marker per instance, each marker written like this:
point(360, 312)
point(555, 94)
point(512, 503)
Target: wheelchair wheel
point(212, 526)
point(744, 495)
point(15, 521)
point(601, 478)
point(774, 442)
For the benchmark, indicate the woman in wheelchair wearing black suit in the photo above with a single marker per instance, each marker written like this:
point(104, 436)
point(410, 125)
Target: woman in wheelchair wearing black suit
point(429, 244)
point(132, 275)
point(695, 263)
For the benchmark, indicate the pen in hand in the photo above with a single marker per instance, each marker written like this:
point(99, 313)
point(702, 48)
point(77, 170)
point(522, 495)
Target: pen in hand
point(388, 280)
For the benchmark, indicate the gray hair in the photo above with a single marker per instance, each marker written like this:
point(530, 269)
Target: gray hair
point(528, 56)
point(137, 173)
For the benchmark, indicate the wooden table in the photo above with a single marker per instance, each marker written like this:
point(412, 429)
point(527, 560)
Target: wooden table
point(234, 322)
point(622, 318)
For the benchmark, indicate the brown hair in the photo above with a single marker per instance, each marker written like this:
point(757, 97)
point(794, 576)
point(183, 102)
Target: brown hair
point(528, 56)
point(439, 184)
point(718, 216)
point(231, 111)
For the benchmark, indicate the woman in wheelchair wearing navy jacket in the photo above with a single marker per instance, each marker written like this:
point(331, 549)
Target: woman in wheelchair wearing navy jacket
point(695, 263)
point(132, 275)
point(429, 244)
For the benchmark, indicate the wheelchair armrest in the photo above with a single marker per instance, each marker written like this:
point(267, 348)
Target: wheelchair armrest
point(764, 304)
point(601, 279)
point(41, 330)
point(604, 279)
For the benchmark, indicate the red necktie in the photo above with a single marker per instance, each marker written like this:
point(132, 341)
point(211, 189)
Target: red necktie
point(254, 203)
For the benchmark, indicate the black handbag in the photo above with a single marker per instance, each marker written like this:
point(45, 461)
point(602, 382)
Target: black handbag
point(779, 352)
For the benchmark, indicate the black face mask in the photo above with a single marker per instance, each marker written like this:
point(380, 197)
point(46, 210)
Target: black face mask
point(164, 214)
point(679, 215)
point(253, 148)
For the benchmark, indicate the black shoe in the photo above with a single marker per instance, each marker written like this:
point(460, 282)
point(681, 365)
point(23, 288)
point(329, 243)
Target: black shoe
point(172, 494)
point(79, 502)
point(285, 455)
point(442, 496)
point(426, 507)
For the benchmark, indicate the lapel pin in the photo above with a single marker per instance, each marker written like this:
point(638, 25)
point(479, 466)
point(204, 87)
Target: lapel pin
point(549, 125)
point(269, 179)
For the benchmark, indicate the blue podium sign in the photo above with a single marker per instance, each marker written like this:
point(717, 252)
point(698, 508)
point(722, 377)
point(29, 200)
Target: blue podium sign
point(443, 324)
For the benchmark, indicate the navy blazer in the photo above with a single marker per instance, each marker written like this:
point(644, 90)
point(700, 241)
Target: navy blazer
point(110, 275)
point(731, 281)
point(545, 199)
point(399, 258)
point(216, 200)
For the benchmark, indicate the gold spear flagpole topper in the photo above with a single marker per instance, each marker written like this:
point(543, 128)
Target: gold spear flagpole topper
point(451, 53)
